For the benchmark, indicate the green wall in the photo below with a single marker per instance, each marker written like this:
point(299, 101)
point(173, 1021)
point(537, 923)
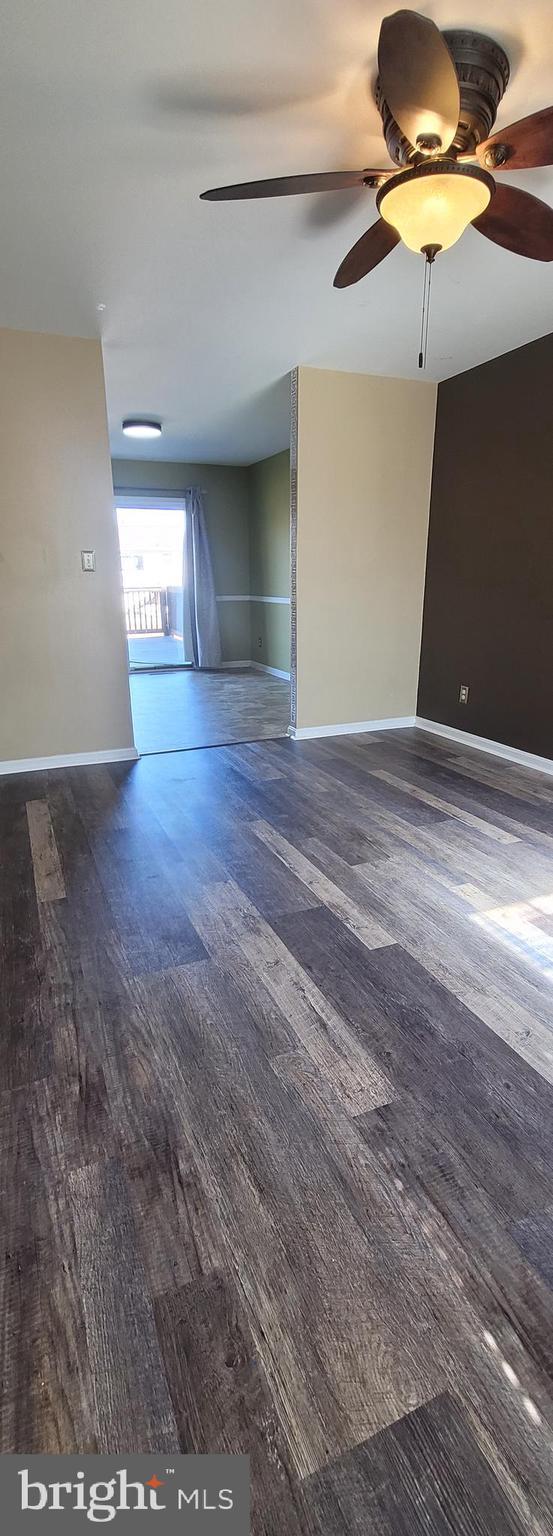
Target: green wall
point(270, 560)
point(227, 506)
point(248, 518)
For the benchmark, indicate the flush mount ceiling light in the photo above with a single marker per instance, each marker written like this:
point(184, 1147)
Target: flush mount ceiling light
point(432, 204)
point(138, 426)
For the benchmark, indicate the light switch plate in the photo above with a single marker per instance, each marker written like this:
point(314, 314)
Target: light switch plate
point(88, 559)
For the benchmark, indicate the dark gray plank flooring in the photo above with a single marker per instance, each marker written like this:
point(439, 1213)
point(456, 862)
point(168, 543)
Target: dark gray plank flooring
point(276, 1126)
point(425, 1476)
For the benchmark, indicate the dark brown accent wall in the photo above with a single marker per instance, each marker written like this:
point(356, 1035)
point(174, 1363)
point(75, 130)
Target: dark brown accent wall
point(488, 607)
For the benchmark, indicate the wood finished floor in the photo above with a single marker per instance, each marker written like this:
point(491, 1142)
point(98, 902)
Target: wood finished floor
point(276, 1126)
point(181, 709)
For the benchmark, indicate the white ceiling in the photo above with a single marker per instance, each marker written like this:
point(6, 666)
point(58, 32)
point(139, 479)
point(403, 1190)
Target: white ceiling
point(116, 114)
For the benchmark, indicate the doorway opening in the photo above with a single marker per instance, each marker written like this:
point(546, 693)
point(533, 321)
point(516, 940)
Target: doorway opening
point(206, 577)
point(151, 545)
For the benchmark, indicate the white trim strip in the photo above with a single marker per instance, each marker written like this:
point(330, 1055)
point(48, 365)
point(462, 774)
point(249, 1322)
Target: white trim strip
point(483, 744)
point(248, 599)
point(352, 728)
point(69, 760)
point(258, 666)
point(270, 600)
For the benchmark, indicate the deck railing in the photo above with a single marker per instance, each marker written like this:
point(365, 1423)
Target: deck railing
point(146, 610)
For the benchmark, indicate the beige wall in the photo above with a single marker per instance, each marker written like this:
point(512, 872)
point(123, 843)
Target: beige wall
point(227, 504)
point(364, 467)
point(64, 686)
point(270, 560)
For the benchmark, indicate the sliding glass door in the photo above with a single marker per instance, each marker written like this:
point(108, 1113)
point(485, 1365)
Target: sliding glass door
point(151, 544)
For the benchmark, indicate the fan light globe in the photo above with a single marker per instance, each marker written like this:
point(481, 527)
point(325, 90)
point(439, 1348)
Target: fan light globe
point(432, 204)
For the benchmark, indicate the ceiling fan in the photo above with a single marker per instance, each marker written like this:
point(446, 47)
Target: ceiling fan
point(438, 95)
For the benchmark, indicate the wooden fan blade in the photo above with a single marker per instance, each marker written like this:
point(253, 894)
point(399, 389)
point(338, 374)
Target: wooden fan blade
point(418, 78)
point(520, 222)
point(287, 186)
point(373, 246)
point(521, 146)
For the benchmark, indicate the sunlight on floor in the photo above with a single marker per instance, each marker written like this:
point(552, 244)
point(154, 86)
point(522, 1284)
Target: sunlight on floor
point(526, 926)
point(511, 1375)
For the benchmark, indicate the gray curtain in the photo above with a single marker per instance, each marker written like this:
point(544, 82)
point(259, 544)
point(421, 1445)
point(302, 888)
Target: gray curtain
point(202, 638)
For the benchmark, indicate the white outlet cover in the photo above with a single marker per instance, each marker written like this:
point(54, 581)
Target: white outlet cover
point(88, 559)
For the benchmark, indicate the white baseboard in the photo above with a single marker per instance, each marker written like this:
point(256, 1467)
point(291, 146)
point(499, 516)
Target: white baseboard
point(484, 744)
point(399, 723)
point(274, 671)
point(257, 666)
point(352, 728)
point(69, 760)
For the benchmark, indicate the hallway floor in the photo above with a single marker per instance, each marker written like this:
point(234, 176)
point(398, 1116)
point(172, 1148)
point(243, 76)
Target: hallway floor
point(182, 709)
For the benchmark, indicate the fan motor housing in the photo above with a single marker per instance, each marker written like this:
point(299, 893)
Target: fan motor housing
point(483, 70)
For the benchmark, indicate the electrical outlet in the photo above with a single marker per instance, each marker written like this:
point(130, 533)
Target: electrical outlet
point(88, 559)
point(464, 693)
point(259, 641)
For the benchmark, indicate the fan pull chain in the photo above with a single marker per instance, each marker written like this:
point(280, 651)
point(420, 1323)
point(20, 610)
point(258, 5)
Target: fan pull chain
point(429, 252)
point(429, 266)
point(423, 315)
